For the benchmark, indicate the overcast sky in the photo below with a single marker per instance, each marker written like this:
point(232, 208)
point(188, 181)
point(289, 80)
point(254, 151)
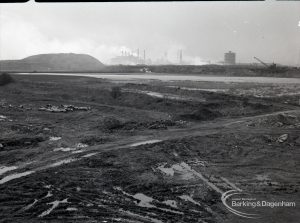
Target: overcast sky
point(203, 30)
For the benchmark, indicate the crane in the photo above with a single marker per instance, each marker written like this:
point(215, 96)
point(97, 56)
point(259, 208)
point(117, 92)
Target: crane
point(271, 67)
point(261, 62)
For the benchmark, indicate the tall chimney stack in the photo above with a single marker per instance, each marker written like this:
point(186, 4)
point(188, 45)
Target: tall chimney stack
point(180, 57)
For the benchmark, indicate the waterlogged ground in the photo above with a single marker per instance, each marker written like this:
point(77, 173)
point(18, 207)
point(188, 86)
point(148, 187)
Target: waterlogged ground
point(145, 155)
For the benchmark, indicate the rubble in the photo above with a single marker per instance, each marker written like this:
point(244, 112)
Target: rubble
point(81, 145)
point(279, 120)
point(4, 104)
point(62, 108)
point(282, 138)
point(54, 138)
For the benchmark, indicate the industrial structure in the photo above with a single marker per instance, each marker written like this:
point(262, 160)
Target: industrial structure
point(137, 58)
point(129, 58)
point(270, 67)
point(180, 57)
point(229, 58)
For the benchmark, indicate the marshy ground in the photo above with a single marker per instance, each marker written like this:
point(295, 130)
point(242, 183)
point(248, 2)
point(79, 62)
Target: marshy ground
point(145, 152)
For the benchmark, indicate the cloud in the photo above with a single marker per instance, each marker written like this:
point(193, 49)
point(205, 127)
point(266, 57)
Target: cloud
point(19, 39)
point(203, 31)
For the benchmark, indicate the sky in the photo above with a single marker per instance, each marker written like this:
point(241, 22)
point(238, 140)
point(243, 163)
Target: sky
point(204, 31)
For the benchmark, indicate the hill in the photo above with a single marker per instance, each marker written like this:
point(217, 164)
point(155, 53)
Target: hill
point(53, 62)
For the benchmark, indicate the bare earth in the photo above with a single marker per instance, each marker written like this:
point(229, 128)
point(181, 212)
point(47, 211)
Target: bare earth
point(73, 151)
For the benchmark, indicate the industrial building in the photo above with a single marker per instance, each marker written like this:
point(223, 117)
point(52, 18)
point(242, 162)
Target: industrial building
point(229, 58)
point(127, 58)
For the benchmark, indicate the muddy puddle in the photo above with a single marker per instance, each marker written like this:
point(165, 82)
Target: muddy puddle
point(64, 149)
point(89, 155)
point(15, 176)
point(165, 95)
point(54, 205)
point(30, 205)
point(172, 77)
point(183, 172)
point(78, 151)
point(79, 147)
point(71, 209)
point(4, 169)
point(190, 199)
point(144, 201)
point(145, 142)
point(61, 162)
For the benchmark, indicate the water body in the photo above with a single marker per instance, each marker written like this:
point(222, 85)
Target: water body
point(175, 77)
point(4, 169)
point(54, 205)
point(61, 162)
point(15, 176)
point(165, 95)
point(145, 142)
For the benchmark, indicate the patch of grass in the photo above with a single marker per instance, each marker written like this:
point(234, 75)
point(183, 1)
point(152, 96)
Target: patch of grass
point(6, 79)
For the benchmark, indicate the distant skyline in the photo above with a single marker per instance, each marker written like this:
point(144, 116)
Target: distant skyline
point(203, 30)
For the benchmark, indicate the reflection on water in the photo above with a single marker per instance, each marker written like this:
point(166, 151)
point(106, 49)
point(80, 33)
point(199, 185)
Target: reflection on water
point(173, 77)
point(15, 176)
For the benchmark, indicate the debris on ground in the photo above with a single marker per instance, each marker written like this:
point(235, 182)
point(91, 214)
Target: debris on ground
point(62, 108)
point(279, 120)
point(81, 145)
point(21, 107)
point(54, 138)
point(170, 169)
point(282, 138)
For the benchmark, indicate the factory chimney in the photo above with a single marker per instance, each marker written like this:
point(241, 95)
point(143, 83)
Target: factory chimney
point(180, 57)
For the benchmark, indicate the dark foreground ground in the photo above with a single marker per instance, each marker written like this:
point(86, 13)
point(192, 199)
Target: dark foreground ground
point(145, 152)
